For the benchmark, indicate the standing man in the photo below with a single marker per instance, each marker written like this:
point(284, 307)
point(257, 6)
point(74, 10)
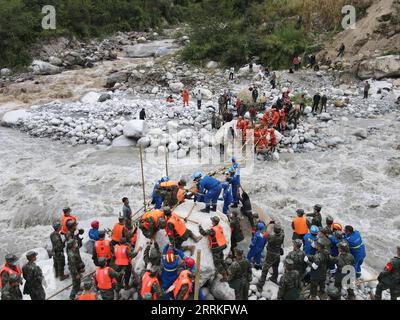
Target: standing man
point(257, 246)
point(142, 114)
point(199, 97)
point(235, 180)
point(389, 278)
point(316, 216)
point(254, 94)
point(9, 268)
point(297, 256)
point(217, 243)
point(289, 284)
point(319, 265)
point(119, 231)
point(231, 73)
point(316, 100)
point(66, 216)
point(324, 101)
point(367, 86)
point(123, 260)
point(11, 290)
point(102, 249)
point(341, 50)
point(300, 225)
point(357, 247)
point(185, 97)
point(34, 278)
point(274, 252)
point(58, 252)
point(273, 80)
point(150, 288)
point(237, 233)
point(240, 276)
point(76, 267)
point(126, 209)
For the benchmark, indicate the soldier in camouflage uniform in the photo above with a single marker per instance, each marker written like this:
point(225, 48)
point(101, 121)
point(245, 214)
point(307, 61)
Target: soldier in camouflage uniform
point(273, 257)
point(237, 233)
point(319, 267)
point(316, 216)
point(76, 267)
point(34, 277)
point(389, 278)
point(289, 284)
point(152, 255)
point(345, 258)
point(297, 256)
point(58, 251)
point(240, 276)
point(73, 233)
point(10, 290)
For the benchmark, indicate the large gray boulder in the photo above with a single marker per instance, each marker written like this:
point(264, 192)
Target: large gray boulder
point(151, 49)
point(44, 68)
point(117, 77)
point(5, 72)
point(12, 118)
point(134, 129)
point(381, 67)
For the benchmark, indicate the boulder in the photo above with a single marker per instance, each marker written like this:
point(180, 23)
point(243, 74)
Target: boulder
point(307, 110)
point(380, 67)
point(222, 290)
point(134, 129)
point(5, 72)
point(151, 49)
point(207, 268)
point(104, 97)
point(44, 68)
point(117, 77)
point(144, 142)
point(207, 94)
point(340, 103)
point(55, 61)
point(91, 97)
point(361, 133)
point(123, 141)
point(176, 87)
point(325, 116)
point(212, 65)
point(12, 118)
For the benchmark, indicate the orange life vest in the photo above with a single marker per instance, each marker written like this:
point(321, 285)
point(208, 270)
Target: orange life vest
point(64, 220)
point(300, 225)
point(272, 136)
point(178, 223)
point(117, 232)
point(219, 237)
point(181, 195)
point(282, 115)
point(104, 281)
point(120, 253)
point(169, 184)
point(10, 272)
point(275, 117)
point(87, 296)
point(239, 124)
point(183, 279)
point(134, 237)
point(155, 214)
point(103, 249)
point(147, 283)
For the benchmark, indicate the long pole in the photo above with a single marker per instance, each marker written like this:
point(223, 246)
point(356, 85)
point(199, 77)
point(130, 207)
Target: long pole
point(197, 278)
point(166, 163)
point(144, 191)
point(65, 288)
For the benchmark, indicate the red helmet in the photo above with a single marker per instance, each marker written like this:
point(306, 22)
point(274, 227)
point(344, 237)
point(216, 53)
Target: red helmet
point(189, 262)
point(170, 256)
point(95, 224)
point(337, 227)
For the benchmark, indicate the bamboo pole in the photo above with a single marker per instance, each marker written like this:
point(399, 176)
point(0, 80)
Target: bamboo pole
point(365, 281)
point(144, 191)
point(197, 278)
point(166, 164)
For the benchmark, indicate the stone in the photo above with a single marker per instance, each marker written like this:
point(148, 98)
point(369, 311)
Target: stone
point(104, 97)
point(340, 103)
point(360, 133)
point(325, 116)
point(91, 97)
point(55, 61)
point(144, 142)
point(151, 49)
point(380, 67)
point(134, 129)
point(212, 65)
point(5, 72)
point(117, 77)
point(176, 87)
point(44, 68)
point(12, 118)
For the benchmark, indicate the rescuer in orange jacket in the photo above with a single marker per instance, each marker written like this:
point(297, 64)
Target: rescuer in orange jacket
point(185, 97)
point(150, 288)
point(300, 225)
point(183, 286)
point(151, 222)
point(217, 243)
point(266, 118)
point(263, 140)
point(102, 249)
point(123, 256)
point(246, 126)
point(9, 268)
point(106, 280)
point(88, 293)
point(272, 139)
point(119, 231)
point(275, 118)
point(132, 233)
point(176, 229)
point(66, 216)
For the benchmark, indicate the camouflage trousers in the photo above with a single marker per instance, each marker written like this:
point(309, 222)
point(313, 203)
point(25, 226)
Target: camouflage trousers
point(59, 263)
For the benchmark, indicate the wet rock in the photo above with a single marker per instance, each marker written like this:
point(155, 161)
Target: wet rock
point(117, 77)
point(361, 133)
point(134, 129)
point(12, 118)
point(176, 87)
point(380, 67)
point(44, 68)
point(5, 72)
point(104, 97)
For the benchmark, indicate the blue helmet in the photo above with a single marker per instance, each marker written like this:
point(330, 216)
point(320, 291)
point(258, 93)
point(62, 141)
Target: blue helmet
point(164, 179)
point(196, 175)
point(314, 229)
point(260, 226)
point(233, 159)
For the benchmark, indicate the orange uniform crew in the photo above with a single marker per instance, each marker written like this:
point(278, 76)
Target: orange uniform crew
point(185, 97)
point(300, 225)
point(150, 287)
point(102, 248)
point(183, 285)
point(66, 216)
point(119, 231)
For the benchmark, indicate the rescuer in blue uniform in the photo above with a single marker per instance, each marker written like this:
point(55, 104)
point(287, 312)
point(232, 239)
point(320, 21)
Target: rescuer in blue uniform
point(210, 188)
point(357, 247)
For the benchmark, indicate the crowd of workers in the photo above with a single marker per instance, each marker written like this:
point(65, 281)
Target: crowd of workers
point(328, 250)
